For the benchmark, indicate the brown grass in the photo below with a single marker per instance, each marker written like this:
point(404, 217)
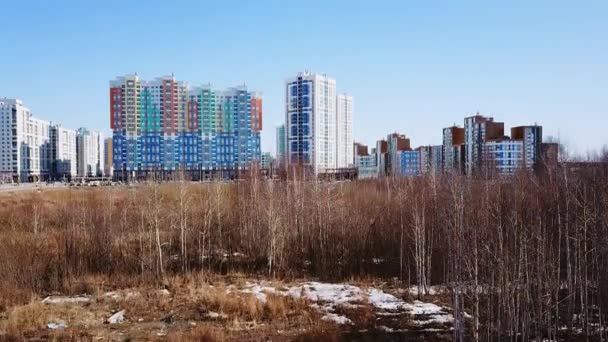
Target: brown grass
point(90, 240)
point(199, 334)
point(27, 318)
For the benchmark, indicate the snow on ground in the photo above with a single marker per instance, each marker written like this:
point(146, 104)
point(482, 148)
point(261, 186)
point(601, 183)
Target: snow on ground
point(258, 290)
point(385, 301)
point(66, 300)
point(327, 297)
point(339, 319)
point(428, 313)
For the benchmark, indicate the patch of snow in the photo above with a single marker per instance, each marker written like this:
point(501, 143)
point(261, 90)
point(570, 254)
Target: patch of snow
point(339, 319)
point(326, 297)
point(258, 291)
point(384, 301)
point(116, 295)
point(422, 308)
point(66, 300)
point(324, 292)
point(429, 313)
point(57, 325)
point(117, 318)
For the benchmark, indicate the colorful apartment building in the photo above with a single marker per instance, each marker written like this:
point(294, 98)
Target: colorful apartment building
point(164, 127)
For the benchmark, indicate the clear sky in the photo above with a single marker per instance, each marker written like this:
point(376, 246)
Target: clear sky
point(412, 66)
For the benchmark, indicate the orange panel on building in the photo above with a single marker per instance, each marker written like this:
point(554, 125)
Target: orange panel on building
point(256, 113)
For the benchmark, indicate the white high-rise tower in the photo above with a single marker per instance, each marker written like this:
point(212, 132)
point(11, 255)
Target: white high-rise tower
point(344, 131)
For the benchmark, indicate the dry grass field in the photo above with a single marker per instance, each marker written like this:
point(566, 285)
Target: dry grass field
point(521, 256)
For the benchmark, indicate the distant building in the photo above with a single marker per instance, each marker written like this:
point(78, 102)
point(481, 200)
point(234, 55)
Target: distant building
point(281, 144)
point(532, 139)
point(63, 153)
point(266, 161)
point(108, 169)
point(366, 163)
point(396, 144)
point(24, 144)
point(477, 131)
point(381, 157)
point(436, 162)
point(319, 124)
point(164, 126)
point(89, 152)
point(453, 148)
point(311, 121)
point(344, 131)
point(505, 155)
point(431, 158)
point(409, 163)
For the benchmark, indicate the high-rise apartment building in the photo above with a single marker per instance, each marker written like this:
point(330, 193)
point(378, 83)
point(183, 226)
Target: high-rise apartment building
point(89, 152)
point(281, 144)
point(504, 155)
point(63, 154)
point(431, 158)
point(532, 139)
point(409, 163)
point(344, 131)
point(319, 124)
point(24, 143)
point(310, 102)
point(477, 131)
point(396, 144)
point(453, 148)
point(165, 126)
point(381, 157)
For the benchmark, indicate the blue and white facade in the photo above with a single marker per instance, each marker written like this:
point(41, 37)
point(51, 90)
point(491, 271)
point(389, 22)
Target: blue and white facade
point(311, 121)
point(506, 155)
point(409, 163)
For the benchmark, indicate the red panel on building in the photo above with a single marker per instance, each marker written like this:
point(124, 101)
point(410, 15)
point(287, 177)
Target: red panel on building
point(116, 110)
point(192, 116)
point(169, 106)
point(256, 113)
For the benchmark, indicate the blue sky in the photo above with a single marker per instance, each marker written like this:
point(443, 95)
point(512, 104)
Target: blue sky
point(413, 67)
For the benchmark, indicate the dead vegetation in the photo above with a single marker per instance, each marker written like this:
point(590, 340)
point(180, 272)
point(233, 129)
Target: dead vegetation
point(524, 256)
